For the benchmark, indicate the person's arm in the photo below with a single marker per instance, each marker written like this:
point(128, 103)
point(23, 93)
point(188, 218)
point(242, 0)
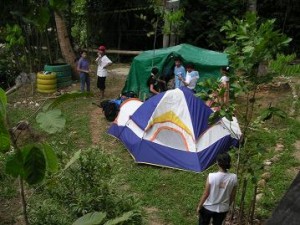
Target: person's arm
point(81, 70)
point(186, 82)
point(204, 195)
point(79, 67)
point(108, 64)
point(153, 90)
point(161, 81)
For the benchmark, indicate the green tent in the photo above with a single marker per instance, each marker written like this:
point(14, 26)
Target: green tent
point(207, 62)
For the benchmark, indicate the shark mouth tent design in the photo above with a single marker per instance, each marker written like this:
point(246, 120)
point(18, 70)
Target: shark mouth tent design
point(171, 130)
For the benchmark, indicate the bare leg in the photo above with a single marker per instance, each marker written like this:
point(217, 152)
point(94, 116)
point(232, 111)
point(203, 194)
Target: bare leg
point(102, 93)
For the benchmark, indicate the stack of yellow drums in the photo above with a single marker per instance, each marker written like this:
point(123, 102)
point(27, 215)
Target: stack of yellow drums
point(46, 82)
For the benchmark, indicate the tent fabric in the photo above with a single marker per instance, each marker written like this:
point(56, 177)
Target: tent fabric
point(171, 129)
point(207, 62)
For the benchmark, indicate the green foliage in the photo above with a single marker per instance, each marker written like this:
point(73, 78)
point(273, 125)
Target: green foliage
point(38, 16)
point(13, 60)
point(14, 165)
point(14, 36)
point(32, 162)
point(88, 186)
point(10, 67)
point(94, 218)
point(212, 92)
point(282, 65)
point(48, 212)
point(79, 28)
point(34, 166)
point(250, 43)
point(50, 158)
point(58, 5)
point(51, 121)
point(174, 21)
point(121, 219)
point(4, 135)
point(3, 103)
point(165, 22)
point(203, 20)
point(41, 18)
point(66, 97)
point(271, 112)
point(74, 158)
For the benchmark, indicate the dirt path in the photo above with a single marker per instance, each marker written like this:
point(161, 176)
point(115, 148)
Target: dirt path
point(98, 125)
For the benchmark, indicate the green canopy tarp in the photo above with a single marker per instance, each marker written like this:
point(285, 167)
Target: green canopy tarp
point(207, 62)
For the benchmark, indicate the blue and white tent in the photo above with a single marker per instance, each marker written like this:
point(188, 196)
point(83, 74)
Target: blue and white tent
point(171, 130)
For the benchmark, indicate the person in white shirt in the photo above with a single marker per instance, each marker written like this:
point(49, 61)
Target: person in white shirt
point(219, 193)
point(191, 77)
point(224, 83)
point(103, 62)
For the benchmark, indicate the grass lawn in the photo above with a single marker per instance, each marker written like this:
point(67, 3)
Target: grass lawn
point(167, 196)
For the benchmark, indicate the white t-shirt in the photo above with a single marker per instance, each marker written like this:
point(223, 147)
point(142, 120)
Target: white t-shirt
point(191, 79)
point(224, 79)
point(221, 186)
point(102, 62)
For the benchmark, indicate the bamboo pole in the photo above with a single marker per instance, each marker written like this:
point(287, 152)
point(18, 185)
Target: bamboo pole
point(121, 52)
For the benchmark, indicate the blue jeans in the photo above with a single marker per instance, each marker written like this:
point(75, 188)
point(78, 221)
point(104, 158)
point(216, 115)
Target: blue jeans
point(84, 79)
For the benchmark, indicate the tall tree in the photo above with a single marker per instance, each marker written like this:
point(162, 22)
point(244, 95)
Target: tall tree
point(252, 5)
point(62, 34)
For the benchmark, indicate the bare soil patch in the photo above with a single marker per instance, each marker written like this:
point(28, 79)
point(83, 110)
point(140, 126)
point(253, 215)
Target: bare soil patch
point(152, 216)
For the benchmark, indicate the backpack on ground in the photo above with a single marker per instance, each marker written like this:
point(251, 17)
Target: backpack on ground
point(110, 109)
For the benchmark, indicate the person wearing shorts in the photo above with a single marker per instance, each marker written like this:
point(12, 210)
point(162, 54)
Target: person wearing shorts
point(103, 62)
point(218, 194)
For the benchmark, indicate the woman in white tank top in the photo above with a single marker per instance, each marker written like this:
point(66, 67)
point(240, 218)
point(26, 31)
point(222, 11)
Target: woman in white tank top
point(219, 193)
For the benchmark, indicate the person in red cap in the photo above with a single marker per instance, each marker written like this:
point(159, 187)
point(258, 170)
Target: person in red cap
point(103, 62)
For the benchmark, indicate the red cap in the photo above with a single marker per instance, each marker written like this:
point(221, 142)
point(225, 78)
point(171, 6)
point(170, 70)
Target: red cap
point(101, 48)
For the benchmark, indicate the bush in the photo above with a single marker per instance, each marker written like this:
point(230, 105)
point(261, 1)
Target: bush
point(86, 186)
point(8, 69)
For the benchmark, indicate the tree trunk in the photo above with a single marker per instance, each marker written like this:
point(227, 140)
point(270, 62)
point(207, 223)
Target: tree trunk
point(252, 5)
point(166, 40)
point(172, 39)
point(64, 43)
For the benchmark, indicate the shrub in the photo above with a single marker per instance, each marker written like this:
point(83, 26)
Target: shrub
point(86, 186)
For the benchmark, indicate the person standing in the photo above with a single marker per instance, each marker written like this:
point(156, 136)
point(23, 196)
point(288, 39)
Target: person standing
point(103, 62)
point(179, 71)
point(224, 83)
point(83, 68)
point(219, 193)
point(191, 78)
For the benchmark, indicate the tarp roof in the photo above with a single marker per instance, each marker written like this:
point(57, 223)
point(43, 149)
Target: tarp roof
point(207, 62)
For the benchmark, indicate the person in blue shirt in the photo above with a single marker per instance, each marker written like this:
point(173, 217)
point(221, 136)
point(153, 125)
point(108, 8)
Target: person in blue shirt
point(83, 68)
point(191, 78)
point(179, 71)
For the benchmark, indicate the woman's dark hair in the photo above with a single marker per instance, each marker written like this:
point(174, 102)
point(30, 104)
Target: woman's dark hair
point(177, 58)
point(190, 65)
point(224, 161)
point(226, 69)
point(154, 70)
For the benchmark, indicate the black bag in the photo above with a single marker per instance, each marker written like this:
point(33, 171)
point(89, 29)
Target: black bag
point(110, 109)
